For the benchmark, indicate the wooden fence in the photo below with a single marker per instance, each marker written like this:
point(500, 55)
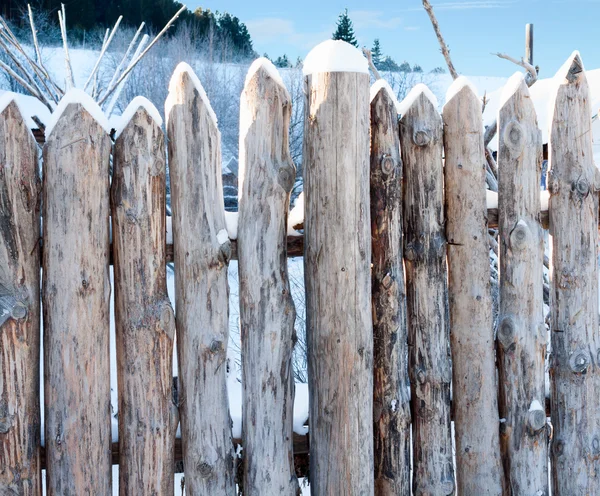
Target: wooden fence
point(398, 297)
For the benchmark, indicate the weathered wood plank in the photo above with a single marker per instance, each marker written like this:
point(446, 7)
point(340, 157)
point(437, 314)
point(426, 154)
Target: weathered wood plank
point(76, 291)
point(521, 334)
point(426, 290)
point(144, 319)
point(391, 393)
point(338, 282)
point(201, 290)
point(267, 312)
point(474, 385)
point(575, 371)
point(19, 307)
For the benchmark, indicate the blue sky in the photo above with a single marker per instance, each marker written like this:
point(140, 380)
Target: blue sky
point(472, 28)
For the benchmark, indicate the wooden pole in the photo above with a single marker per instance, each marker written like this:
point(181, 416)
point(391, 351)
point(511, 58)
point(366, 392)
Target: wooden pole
point(337, 261)
point(529, 43)
point(145, 324)
point(267, 312)
point(391, 393)
point(475, 391)
point(426, 297)
point(19, 307)
point(521, 334)
point(201, 254)
point(575, 373)
point(76, 292)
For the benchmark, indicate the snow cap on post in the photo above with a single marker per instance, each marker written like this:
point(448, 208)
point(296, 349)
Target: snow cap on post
point(568, 73)
point(418, 90)
point(457, 86)
point(80, 97)
point(335, 56)
point(139, 102)
point(382, 84)
point(183, 68)
point(267, 65)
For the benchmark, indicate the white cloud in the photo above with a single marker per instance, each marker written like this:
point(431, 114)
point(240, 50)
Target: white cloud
point(277, 30)
point(365, 19)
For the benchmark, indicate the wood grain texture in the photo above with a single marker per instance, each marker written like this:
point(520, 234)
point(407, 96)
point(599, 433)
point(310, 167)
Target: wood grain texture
point(76, 292)
point(475, 389)
point(426, 290)
point(144, 319)
point(522, 335)
point(338, 283)
point(201, 291)
point(20, 471)
point(391, 393)
point(575, 371)
point(267, 311)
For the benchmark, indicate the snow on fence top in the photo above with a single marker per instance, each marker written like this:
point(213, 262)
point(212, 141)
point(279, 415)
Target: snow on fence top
point(77, 96)
point(383, 84)
point(413, 95)
point(268, 66)
point(5, 101)
point(511, 87)
point(181, 68)
point(457, 85)
point(137, 103)
point(557, 81)
point(335, 56)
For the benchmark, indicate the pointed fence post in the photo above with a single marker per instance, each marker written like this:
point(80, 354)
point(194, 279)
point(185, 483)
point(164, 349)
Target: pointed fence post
point(337, 272)
point(145, 324)
point(521, 336)
point(76, 293)
point(267, 312)
point(575, 368)
point(391, 393)
point(20, 471)
point(201, 255)
point(474, 385)
point(426, 293)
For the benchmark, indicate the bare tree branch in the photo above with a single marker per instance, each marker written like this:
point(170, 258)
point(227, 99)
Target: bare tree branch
point(102, 52)
point(438, 33)
point(63, 31)
point(367, 53)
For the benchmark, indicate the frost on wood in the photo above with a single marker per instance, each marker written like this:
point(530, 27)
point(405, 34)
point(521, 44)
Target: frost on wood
point(413, 95)
point(139, 102)
point(335, 56)
point(174, 88)
point(80, 97)
point(382, 84)
point(266, 65)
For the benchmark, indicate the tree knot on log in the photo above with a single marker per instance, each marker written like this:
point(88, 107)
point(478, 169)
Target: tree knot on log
point(579, 361)
point(422, 137)
point(387, 164)
point(506, 332)
point(514, 137)
point(286, 177)
point(536, 420)
point(204, 469)
point(581, 186)
point(595, 446)
point(520, 236)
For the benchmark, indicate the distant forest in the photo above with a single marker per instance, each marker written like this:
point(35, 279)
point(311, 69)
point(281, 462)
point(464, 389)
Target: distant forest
point(88, 15)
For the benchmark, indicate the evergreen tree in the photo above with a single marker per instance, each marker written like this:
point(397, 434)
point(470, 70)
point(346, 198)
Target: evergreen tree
point(282, 61)
point(405, 67)
point(344, 30)
point(417, 68)
point(389, 64)
point(376, 54)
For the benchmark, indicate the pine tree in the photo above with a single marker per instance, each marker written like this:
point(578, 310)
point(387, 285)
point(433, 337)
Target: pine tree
point(376, 53)
point(344, 30)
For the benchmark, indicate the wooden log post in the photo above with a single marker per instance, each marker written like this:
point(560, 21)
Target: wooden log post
point(575, 371)
point(475, 391)
point(76, 293)
point(145, 324)
point(267, 312)
point(201, 253)
point(337, 261)
point(522, 335)
point(391, 393)
point(426, 301)
point(19, 306)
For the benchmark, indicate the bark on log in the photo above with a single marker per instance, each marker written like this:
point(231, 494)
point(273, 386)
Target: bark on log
point(144, 319)
point(575, 372)
point(521, 334)
point(475, 391)
point(19, 307)
point(338, 282)
point(267, 311)
point(201, 257)
point(76, 292)
point(391, 393)
point(426, 290)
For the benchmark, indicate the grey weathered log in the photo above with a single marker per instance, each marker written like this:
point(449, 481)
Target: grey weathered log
point(144, 319)
point(426, 297)
point(574, 372)
point(521, 334)
point(20, 471)
point(338, 282)
point(391, 397)
point(529, 43)
point(475, 388)
point(76, 292)
point(267, 312)
point(201, 289)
